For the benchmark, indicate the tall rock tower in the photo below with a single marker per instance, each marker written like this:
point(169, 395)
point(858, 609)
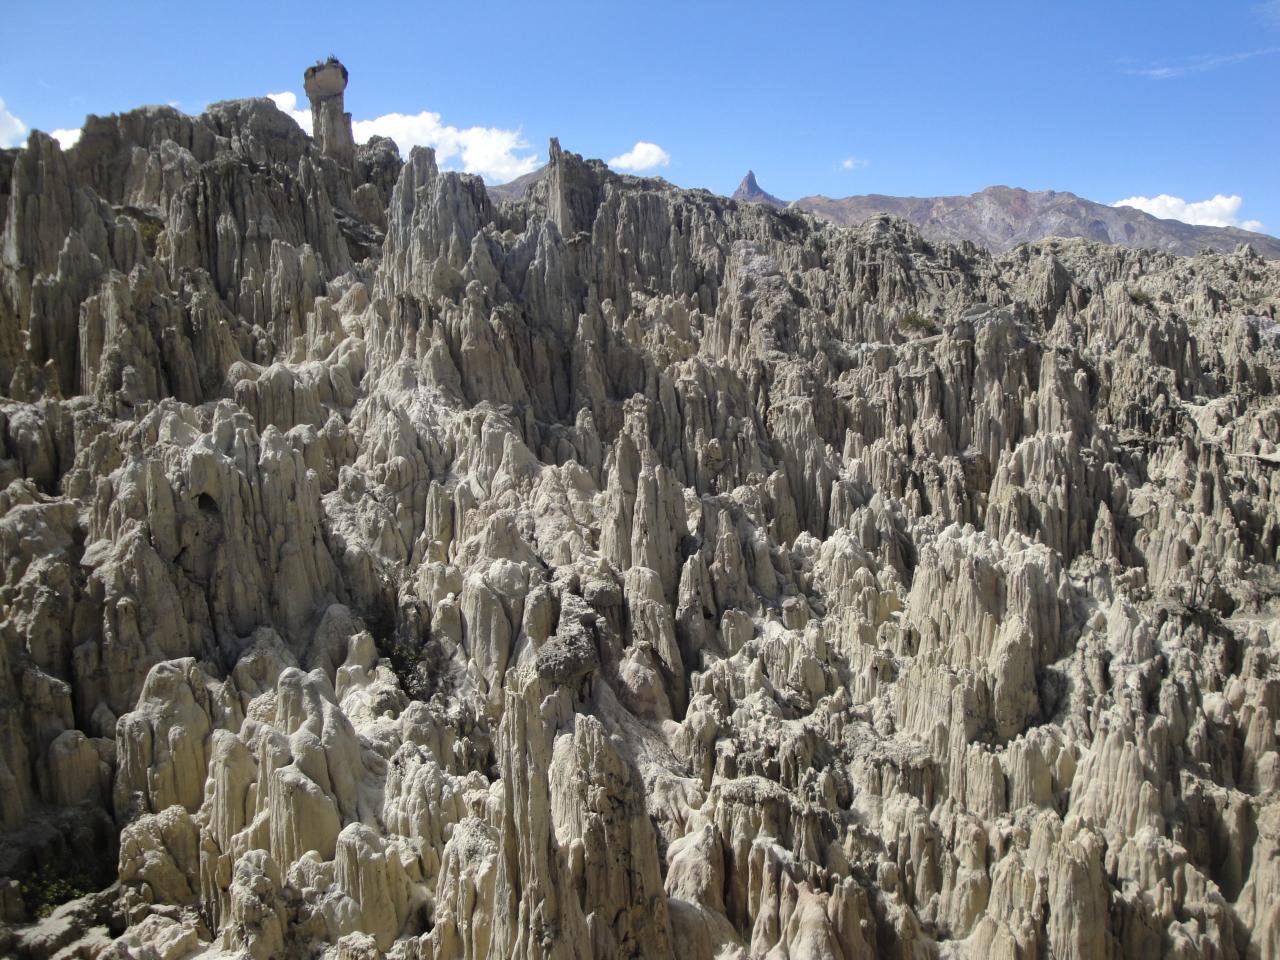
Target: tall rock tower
point(330, 124)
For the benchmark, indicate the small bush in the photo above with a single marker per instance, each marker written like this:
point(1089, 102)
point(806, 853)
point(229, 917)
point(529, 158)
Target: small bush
point(150, 232)
point(417, 660)
point(1140, 298)
point(418, 666)
point(47, 889)
point(913, 322)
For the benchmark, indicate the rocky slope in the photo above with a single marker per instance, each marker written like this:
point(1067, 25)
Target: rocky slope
point(1000, 218)
point(616, 571)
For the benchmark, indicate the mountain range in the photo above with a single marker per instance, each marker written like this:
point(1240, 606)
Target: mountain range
point(999, 218)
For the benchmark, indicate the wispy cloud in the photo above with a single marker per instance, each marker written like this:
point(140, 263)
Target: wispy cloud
point(1197, 64)
point(854, 163)
point(495, 154)
point(1269, 11)
point(1218, 211)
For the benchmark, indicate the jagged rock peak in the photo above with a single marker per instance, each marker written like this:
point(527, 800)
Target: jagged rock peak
point(749, 190)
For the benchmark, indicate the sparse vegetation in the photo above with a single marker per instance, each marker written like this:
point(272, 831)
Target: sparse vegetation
point(321, 64)
point(150, 232)
point(418, 667)
point(914, 322)
point(1140, 298)
point(417, 660)
point(47, 889)
point(1202, 590)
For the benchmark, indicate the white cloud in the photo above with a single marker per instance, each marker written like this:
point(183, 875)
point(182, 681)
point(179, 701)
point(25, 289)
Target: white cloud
point(288, 102)
point(1220, 211)
point(12, 130)
point(495, 154)
point(67, 137)
point(854, 163)
point(643, 156)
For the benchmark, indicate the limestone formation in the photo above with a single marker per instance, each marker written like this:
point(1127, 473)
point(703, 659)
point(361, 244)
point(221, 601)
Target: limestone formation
point(389, 567)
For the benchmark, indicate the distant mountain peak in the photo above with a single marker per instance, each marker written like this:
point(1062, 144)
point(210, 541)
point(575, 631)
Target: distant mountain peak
point(749, 190)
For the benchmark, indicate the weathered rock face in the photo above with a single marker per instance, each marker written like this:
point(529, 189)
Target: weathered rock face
point(386, 569)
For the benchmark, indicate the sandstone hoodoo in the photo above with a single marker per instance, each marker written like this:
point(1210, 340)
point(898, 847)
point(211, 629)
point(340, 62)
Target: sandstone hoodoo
point(389, 567)
point(324, 84)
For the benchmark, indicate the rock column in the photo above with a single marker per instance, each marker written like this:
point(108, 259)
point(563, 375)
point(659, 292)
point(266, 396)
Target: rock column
point(330, 123)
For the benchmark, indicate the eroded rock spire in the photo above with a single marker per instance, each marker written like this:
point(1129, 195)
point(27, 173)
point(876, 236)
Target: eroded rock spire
point(325, 82)
point(751, 191)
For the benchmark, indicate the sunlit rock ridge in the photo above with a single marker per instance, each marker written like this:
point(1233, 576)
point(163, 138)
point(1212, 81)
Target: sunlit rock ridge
point(389, 569)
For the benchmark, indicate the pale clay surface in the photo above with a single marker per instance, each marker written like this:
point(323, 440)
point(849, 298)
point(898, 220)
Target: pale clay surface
point(619, 571)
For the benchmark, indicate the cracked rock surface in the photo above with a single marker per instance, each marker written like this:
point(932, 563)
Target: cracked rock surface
point(388, 568)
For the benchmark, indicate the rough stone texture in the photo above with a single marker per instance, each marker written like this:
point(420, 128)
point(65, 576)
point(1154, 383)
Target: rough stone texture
point(388, 568)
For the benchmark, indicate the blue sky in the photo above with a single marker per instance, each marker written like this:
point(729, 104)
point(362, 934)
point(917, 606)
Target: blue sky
point(1109, 100)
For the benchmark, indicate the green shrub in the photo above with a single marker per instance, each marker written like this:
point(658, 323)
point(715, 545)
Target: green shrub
point(150, 232)
point(418, 666)
point(47, 889)
point(417, 660)
point(1140, 298)
point(913, 322)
